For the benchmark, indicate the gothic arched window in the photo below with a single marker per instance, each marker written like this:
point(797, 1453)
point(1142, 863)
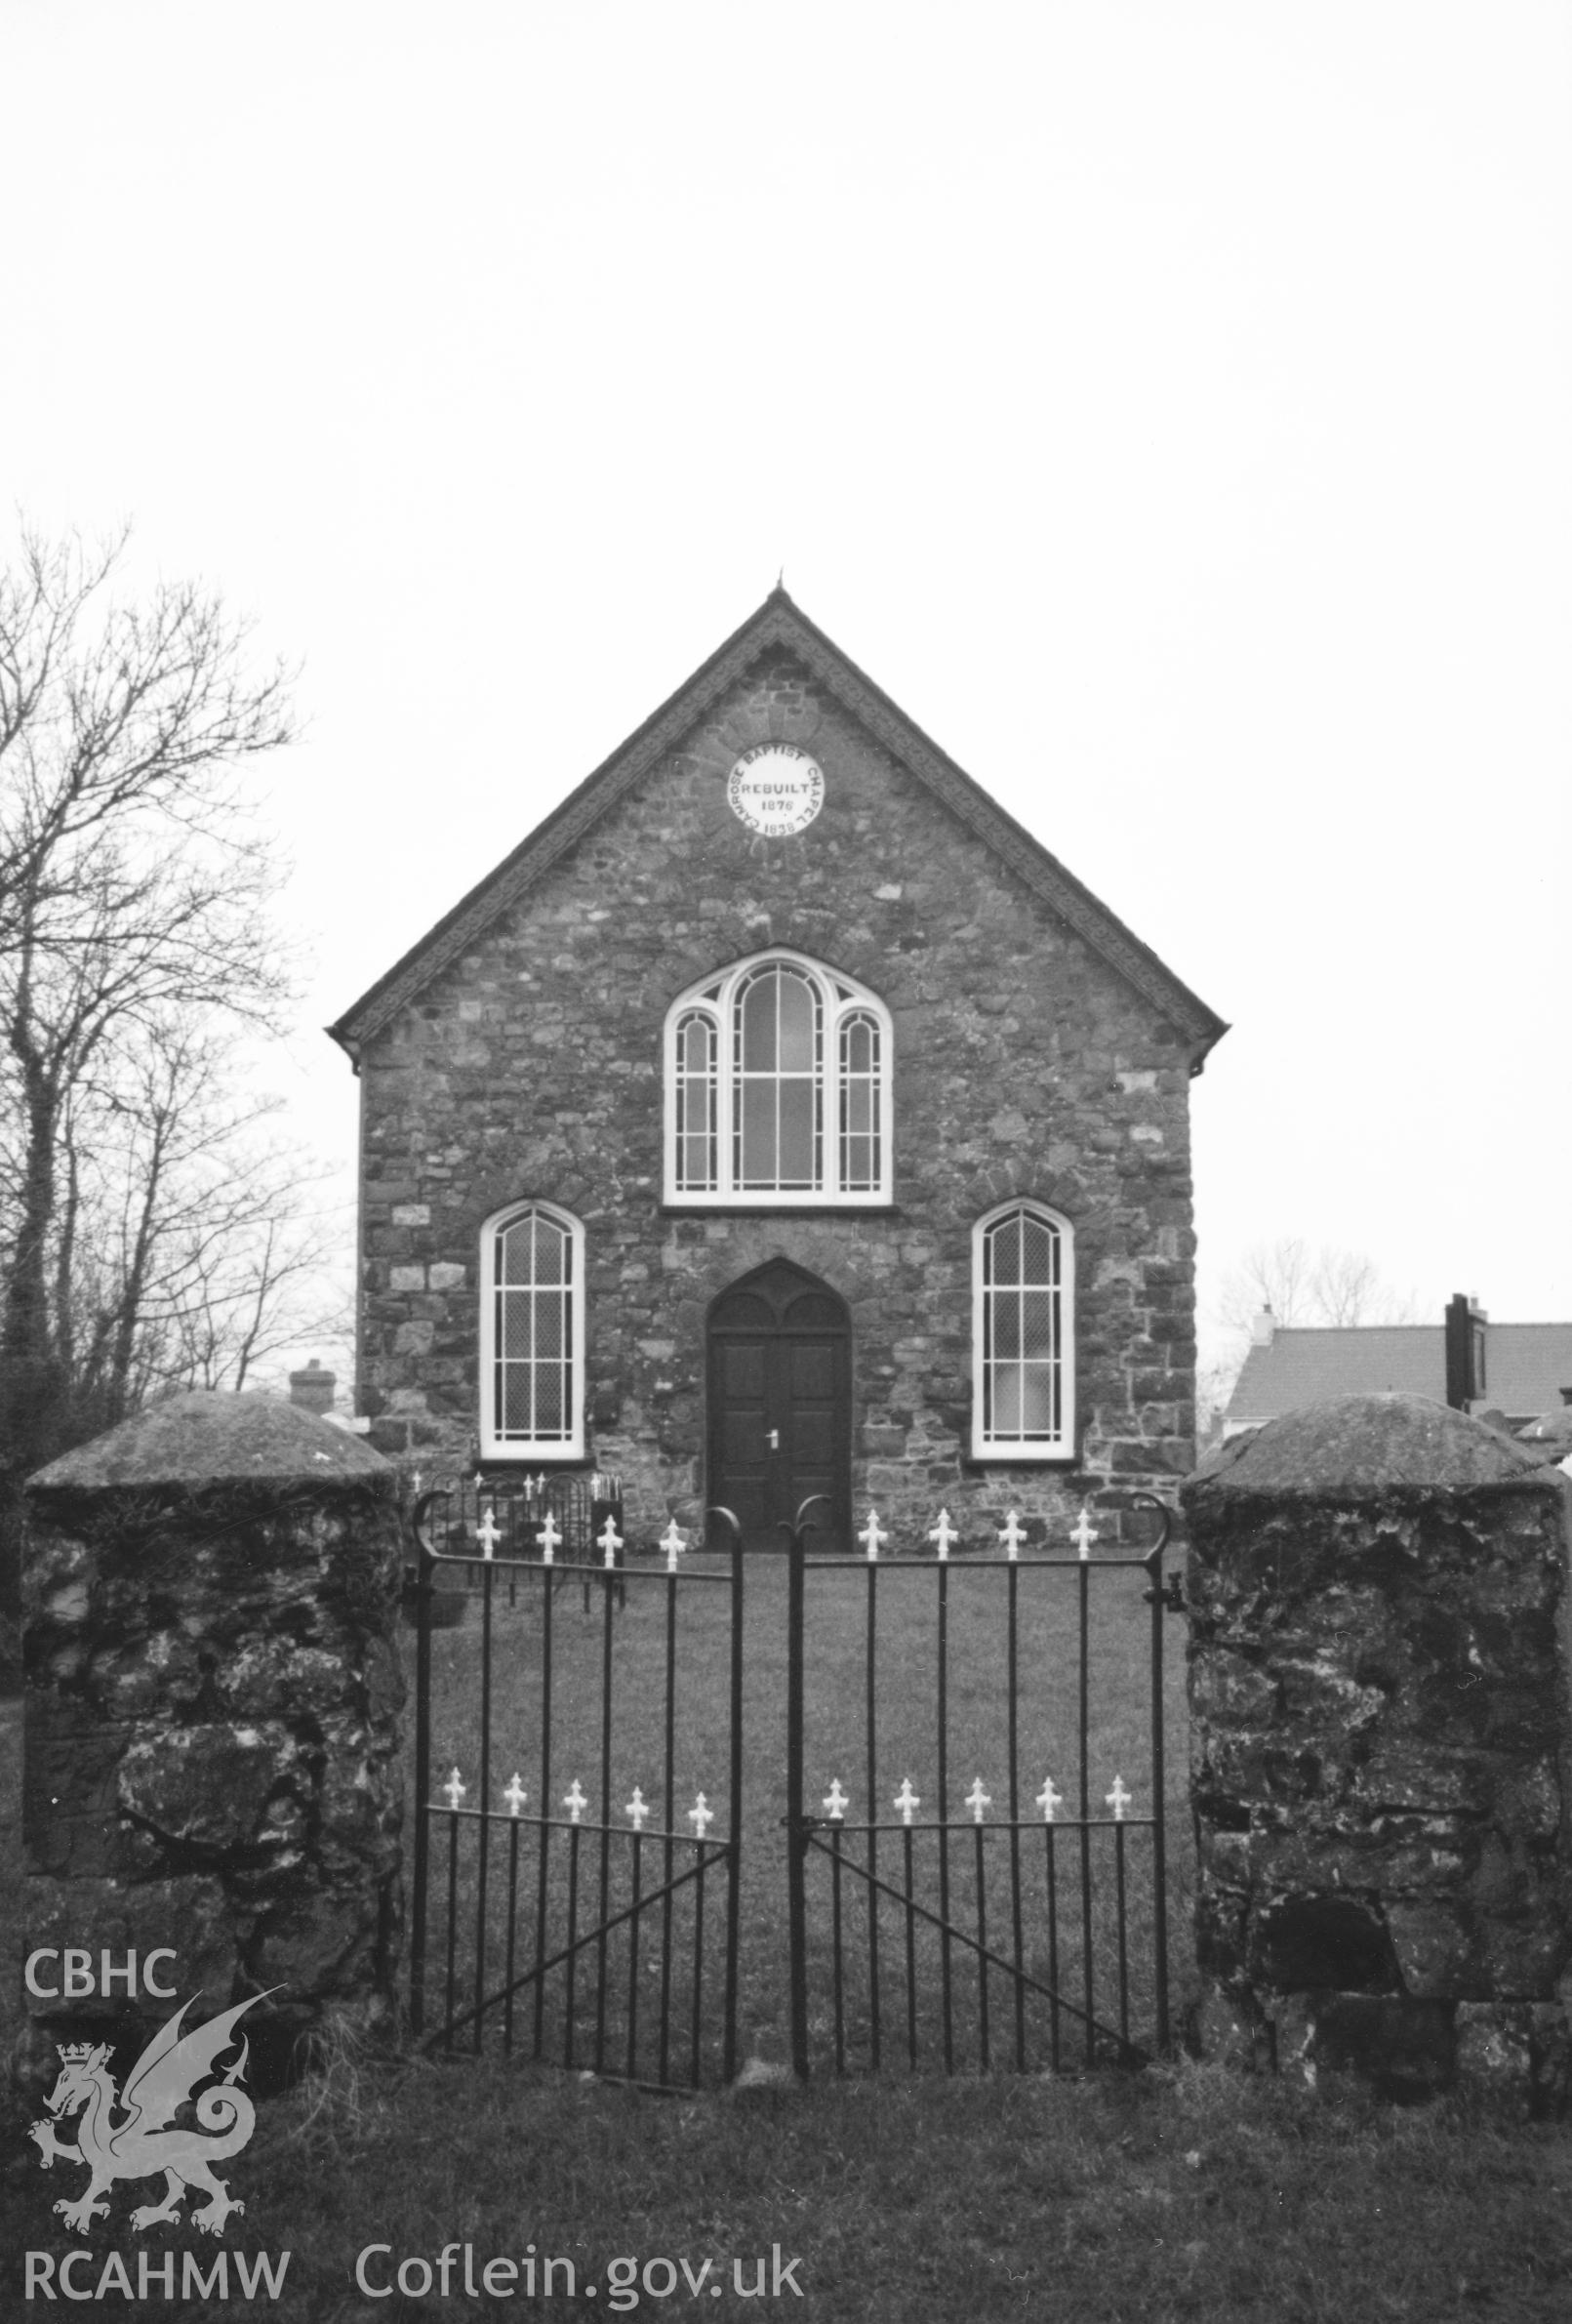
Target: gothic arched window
point(777, 1087)
point(1022, 1335)
point(532, 1335)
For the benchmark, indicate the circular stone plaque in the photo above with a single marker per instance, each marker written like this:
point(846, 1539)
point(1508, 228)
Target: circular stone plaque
point(776, 789)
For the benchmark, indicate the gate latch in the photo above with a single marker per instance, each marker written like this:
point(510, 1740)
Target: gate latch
point(1171, 1596)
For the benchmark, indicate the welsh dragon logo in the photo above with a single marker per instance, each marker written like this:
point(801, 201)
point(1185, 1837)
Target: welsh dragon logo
point(140, 2145)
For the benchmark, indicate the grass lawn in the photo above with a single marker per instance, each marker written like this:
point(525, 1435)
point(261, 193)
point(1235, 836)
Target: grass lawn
point(1181, 2192)
point(936, 1995)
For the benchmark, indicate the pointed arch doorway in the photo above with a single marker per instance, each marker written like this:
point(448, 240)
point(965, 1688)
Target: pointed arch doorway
point(780, 1382)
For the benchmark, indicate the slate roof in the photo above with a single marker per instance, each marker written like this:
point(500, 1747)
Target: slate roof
point(779, 624)
point(1526, 1368)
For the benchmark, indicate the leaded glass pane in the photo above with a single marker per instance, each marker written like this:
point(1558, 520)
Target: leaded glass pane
point(759, 1146)
point(696, 1045)
point(1040, 1252)
point(758, 1045)
point(796, 1133)
point(1040, 1323)
point(552, 1251)
point(797, 1011)
point(1041, 1413)
point(548, 1400)
point(550, 1324)
point(515, 1254)
point(516, 1414)
point(516, 1335)
point(858, 1046)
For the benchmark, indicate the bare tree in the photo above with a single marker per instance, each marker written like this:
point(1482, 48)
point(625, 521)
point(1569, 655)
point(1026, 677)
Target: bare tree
point(1300, 1286)
point(134, 887)
point(189, 1242)
point(1326, 1287)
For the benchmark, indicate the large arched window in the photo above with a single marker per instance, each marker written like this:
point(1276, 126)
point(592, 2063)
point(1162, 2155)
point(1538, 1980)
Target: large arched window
point(777, 1087)
point(1022, 1335)
point(532, 1335)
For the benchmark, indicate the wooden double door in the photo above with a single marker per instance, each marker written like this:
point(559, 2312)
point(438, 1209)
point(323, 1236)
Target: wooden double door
point(780, 1405)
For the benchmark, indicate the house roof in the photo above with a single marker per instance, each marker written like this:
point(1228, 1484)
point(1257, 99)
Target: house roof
point(1526, 1368)
point(779, 624)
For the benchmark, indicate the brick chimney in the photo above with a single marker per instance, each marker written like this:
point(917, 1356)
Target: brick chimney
point(1263, 1328)
point(1465, 1323)
point(312, 1389)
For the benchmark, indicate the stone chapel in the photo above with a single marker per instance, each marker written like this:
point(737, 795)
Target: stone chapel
point(781, 1118)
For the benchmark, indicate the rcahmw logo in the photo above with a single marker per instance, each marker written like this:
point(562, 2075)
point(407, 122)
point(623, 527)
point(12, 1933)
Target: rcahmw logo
point(175, 2066)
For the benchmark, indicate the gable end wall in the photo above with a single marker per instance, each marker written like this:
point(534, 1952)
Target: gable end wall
point(531, 1067)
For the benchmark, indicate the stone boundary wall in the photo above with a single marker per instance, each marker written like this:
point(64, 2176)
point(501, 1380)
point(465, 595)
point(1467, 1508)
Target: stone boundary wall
point(1380, 1739)
point(213, 1688)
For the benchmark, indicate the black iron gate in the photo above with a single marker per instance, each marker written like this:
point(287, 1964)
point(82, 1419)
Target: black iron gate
point(574, 1925)
point(963, 1885)
point(1017, 1927)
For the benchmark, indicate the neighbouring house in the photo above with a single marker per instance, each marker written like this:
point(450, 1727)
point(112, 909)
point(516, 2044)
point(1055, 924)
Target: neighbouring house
point(781, 1118)
point(1518, 1372)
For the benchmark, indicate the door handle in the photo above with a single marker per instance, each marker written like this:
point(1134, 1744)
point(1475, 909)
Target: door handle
point(774, 1435)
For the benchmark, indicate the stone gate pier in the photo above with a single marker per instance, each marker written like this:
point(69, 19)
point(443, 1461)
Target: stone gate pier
point(213, 1686)
point(1382, 1749)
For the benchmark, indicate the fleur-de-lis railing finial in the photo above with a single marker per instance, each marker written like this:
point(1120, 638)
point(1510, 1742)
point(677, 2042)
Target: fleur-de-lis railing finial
point(673, 1544)
point(977, 1800)
point(1012, 1535)
point(575, 1800)
point(638, 1810)
point(611, 1541)
point(906, 1800)
point(549, 1537)
point(1119, 1798)
point(945, 1534)
point(1049, 1798)
point(515, 1795)
point(872, 1535)
point(835, 1801)
point(488, 1532)
point(700, 1815)
point(1085, 1533)
point(453, 1790)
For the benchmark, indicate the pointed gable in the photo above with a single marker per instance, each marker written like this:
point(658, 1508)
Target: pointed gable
point(780, 630)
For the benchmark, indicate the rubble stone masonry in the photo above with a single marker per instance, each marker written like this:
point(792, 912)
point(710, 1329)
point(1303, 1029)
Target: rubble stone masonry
point(531, 1067)
point(213, 1688)
point(1381, 1749)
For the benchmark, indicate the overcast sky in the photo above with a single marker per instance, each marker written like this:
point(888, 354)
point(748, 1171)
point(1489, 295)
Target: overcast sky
point(1167, 404)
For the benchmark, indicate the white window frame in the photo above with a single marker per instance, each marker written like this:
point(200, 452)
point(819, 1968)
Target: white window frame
point(840, 1000)
point(991, 1445)
point(496, 1444)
